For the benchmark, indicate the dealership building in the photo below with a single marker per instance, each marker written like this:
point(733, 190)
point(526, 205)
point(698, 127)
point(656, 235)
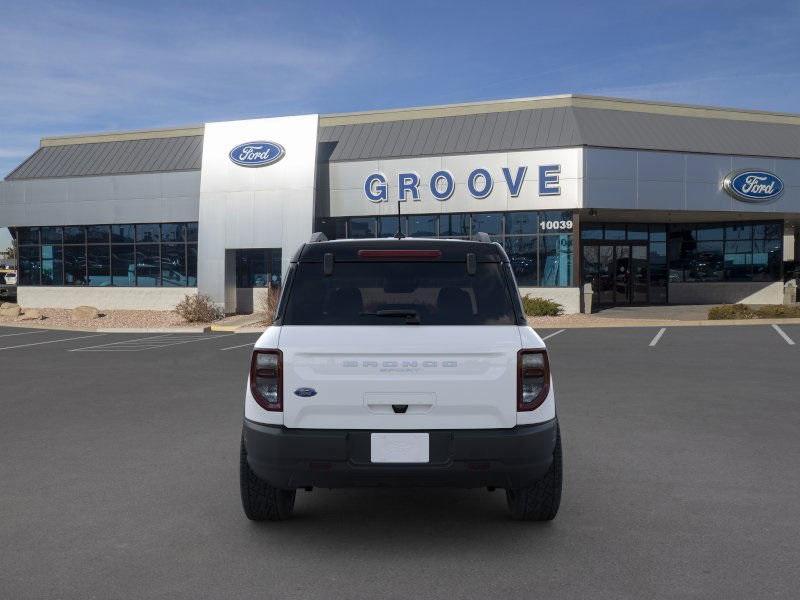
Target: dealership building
point(650, 203)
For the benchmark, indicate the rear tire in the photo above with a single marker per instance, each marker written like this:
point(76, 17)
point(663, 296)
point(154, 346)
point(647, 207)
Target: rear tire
point(260, 500)
point(540, 501)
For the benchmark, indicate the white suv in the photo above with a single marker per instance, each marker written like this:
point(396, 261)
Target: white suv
point(400, 362)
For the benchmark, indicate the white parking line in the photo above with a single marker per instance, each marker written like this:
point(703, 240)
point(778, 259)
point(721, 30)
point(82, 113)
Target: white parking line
point(122, 342)
point(83, 337)
point(25, 333)
point(782, 333)
point(658, 337)
point(154, 343)
point(240, 346)
point(548, 336)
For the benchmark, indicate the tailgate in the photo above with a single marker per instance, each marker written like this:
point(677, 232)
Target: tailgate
point(407, 377)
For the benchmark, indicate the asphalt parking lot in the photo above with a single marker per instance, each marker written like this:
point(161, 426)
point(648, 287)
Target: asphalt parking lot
point(119, 458)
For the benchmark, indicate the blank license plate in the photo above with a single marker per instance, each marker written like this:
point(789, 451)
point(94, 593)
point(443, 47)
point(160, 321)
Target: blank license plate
point(400, 447)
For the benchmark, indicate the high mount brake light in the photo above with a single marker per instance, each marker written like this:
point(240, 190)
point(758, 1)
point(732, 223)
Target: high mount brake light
point(266, 379)
point(533, 379)
point(430, 254)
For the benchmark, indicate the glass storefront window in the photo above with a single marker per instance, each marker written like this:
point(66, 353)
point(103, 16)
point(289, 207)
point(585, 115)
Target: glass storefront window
point(387, 226)
point(107, 255)
point(258, 267)
point(98, 259)
point(454, 225)
point(148, 233)
point(74, 235)
point(52, 265)
point(614, 231)
point(148, 265)
point(491, 223)
point(740, 251)
point(29, 264)
point(767, 231)
point(191, 267)
point(173, 265)
point(362, 227)
point(423, 225)
point(555, 260)
point(123, 265)
point(27, 235)
point(638, 232)
point(591, 231)
point(704, 263)
point(51, 235)
point(522, 223)
point(122, 234)
point(658, 233)
point(521, 252)
point(739, 231)
point(97, 234)
point(173, 232)
point(709, 233)
point(74, 265)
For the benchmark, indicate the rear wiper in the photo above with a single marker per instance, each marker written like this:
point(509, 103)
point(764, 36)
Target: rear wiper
point(412, 316)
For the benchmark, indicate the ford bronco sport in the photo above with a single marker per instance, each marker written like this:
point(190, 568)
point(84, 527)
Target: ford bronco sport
point(400, 362)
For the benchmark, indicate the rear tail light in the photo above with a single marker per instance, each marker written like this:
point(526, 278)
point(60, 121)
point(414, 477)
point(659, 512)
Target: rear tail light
point(533, 380)
point(266, 379)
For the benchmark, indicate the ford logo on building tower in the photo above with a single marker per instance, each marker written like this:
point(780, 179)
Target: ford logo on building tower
point(753, 186)
point(257, 154)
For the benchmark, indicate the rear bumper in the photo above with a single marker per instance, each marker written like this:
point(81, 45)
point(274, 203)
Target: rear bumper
point(294, 458)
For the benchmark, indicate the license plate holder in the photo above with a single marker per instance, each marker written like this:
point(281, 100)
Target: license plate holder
point(400, 448)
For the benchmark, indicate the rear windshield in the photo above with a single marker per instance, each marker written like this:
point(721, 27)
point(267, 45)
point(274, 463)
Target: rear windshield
point(392, 293)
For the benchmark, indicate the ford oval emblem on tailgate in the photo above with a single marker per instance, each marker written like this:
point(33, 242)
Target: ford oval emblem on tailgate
point(305, 392)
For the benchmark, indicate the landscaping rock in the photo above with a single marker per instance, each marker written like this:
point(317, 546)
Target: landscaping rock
point(31, 315)
point(11, 311)
point(84, 313)
point(8, 304)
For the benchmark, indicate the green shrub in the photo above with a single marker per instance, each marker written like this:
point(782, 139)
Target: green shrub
point(541, 307)
point(731, 311)
point(747, 311)
point(197, 308)
point(778, 311)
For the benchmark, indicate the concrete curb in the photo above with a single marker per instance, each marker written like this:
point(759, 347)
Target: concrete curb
point(662, 323)
point(244, 328)
point(37, 325)
point(154, 330)
point(228, 328)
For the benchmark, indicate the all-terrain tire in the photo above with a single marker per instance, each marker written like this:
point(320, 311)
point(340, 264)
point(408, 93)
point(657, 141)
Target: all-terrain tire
point(260, 500)
point(540, 501)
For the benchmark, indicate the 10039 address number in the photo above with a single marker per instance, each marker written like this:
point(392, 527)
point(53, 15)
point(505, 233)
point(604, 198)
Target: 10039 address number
point(556, 225)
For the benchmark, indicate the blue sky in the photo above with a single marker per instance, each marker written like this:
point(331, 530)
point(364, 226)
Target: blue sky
point(74, 67)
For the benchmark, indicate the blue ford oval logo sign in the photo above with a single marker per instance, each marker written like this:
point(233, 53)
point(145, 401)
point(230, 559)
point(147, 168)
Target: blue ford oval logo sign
point(257, 154)
point(753, 186)
point(305, 392)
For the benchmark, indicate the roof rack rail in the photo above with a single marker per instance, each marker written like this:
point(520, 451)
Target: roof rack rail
point(482, 236)
point(318, 236)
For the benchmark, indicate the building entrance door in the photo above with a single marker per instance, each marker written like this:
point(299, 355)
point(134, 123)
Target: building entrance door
point(618, 272)
point(258, 272)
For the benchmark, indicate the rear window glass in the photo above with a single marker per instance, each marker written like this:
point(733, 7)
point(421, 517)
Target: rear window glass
point(392, 293)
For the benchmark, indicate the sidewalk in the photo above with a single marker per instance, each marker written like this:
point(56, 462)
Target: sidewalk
point(648, 316)
point(241, 323)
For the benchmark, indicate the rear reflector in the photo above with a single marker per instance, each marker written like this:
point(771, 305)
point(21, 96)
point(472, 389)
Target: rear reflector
point(429, 254)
